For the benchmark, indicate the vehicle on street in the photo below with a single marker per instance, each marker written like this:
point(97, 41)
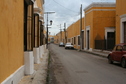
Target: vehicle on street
point(69, 46)
point(118, 54)
point(61, 44)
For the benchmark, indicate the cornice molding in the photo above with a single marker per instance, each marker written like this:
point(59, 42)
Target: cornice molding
point(37, 10)
point(100, 10)
point(96, 4)
point(123, 16)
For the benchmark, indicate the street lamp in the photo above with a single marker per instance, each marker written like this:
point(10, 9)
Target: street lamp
point(47, 26)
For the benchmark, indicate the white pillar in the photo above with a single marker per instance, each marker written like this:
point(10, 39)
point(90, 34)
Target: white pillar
point(40, 51)
point(43, 50)
point(28, 62)
point(36, 55)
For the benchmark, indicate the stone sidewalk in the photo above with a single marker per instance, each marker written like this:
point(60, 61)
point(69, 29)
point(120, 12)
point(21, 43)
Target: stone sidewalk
point(40, 73)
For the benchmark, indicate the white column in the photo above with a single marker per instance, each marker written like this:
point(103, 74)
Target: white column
point(40, 51)
point(36, 55)
point(28, 62)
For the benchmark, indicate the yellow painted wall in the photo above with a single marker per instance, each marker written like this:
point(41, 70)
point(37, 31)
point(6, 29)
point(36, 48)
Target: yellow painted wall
point(74, 31)
point(40, 4)
point(120, 10)
point(102, 19)
point(57, 38)
point(11, 37)
point(98, 20)
point(89, 22)
point(63, 36)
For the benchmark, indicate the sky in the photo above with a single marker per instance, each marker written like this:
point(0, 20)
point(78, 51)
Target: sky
point(66, 11)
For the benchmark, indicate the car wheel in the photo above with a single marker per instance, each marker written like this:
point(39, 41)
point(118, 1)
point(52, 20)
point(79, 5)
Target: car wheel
point(110, 60)
point(123, 62)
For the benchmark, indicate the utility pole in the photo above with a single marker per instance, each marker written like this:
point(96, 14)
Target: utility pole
point(65, 33)
point(60, 34)
point(81, 27)
point(47, 26)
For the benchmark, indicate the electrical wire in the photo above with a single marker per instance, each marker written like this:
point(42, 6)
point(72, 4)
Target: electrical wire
point(64, 6)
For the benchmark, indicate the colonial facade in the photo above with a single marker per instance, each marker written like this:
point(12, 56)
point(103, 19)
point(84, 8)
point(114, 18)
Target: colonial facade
point(21, 33)
point(99, 25)
point(120, 21)
point(98, 28)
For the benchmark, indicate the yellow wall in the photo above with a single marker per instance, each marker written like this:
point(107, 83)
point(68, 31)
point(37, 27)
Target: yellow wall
point(63, 36)
point(98, 20)
point(89, 22)
point(120, 10)
point(57, 38)
point(40, 4)
point(11, 37)
point(74, 31)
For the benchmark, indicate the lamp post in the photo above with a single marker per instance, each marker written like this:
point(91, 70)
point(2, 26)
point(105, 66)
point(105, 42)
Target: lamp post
point(47, 26)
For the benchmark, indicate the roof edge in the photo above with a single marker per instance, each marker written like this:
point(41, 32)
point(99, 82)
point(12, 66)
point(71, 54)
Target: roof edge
point(100, 4)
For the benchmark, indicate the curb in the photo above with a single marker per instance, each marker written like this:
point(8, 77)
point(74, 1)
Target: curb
point(95, 53)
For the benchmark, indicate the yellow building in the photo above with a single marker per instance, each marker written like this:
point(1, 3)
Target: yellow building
point(99, 25)
point(120, 21)
point(73, 34)
point(18, 38)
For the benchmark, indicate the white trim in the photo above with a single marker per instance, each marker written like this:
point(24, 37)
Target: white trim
point(37, 10)
point(109, 29)
point(97, 4)
point(33, 1)
point(87, 28)
point(15, 77)
point(123, 19)
point(82, 30)
point(41, 18)
point(100, 10)
point(77, 40)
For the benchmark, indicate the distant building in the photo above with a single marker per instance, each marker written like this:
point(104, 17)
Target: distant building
point(98, 28)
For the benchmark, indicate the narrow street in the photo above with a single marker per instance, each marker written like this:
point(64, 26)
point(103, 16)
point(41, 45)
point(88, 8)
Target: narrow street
point(73, 67)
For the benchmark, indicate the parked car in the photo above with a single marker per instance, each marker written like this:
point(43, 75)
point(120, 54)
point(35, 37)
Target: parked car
point(61, 44)
point(69, 46)
point(118, 54)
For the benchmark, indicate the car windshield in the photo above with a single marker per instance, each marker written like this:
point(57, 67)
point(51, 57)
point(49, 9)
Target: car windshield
point(61, 43)
point(68, 44)
point(124, 47)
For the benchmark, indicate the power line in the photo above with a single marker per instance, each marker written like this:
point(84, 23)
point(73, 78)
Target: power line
point(64, 6)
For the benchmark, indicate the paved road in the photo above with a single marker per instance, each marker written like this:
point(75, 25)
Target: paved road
point(83, 68)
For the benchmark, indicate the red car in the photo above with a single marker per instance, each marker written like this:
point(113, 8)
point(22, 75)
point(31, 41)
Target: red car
point(118, 54)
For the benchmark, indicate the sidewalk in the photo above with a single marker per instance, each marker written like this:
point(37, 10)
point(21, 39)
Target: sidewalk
point(40, 73)
point(98, 52)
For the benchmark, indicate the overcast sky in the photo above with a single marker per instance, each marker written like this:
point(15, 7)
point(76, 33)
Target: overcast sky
point(66, 11)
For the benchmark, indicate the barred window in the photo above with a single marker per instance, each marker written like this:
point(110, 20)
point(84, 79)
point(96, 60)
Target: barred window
point(78, 40)
point(74, 40)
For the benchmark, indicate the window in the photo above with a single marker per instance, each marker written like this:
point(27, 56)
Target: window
point(68, 40)
point(124, 47)
point(119, 48)
point(78, 40)
point(74, 40)
point(114, 48)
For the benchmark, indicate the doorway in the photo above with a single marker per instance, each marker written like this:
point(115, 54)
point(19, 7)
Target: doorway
point(124, 32)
